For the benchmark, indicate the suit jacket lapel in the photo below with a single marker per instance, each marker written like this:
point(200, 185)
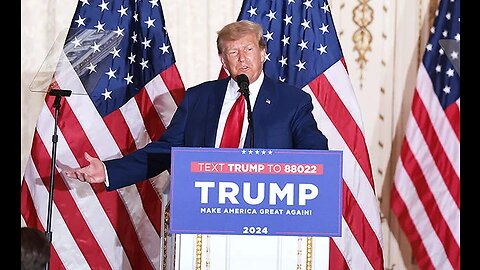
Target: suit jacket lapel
point(261, 112)
point(215, 102)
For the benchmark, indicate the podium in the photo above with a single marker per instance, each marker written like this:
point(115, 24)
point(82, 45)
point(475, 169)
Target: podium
point(253, 208)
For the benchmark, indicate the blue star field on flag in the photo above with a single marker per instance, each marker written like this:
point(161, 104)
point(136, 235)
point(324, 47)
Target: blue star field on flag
point(116, 47)
point(301, 38)
point(445, 79)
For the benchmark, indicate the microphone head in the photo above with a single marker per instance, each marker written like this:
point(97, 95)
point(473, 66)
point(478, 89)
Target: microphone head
point(242, 81)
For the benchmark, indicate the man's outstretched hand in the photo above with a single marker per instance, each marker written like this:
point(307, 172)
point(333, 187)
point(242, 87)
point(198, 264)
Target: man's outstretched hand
point(92, 173)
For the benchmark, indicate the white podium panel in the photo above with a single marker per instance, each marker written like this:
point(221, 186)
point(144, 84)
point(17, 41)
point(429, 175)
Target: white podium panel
point(238, 252)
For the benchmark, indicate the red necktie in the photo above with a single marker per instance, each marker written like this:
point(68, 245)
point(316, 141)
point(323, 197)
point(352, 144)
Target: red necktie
point(234, 124)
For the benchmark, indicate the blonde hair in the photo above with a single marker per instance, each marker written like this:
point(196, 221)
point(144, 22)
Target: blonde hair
point(236, 30)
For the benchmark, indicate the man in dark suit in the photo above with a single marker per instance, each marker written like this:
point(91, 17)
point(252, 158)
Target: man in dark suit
point(282, 114)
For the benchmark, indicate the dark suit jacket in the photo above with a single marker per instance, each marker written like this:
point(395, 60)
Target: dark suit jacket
point(282, 118)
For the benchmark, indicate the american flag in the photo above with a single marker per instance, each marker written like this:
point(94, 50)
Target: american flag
point(425, 195)
point(118, 62)
point(303, 50)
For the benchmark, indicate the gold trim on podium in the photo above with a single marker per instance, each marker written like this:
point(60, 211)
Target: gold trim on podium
point(166, 229)
point(309, 259)
point(198, 252)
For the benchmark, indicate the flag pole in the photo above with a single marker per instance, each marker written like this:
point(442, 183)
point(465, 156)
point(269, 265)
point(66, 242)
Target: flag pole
point(58, 93)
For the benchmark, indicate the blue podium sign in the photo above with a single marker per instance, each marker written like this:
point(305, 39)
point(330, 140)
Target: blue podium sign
point(256, 191)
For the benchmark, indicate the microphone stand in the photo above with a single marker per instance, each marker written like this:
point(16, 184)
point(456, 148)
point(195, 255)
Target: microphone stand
point(58, 93)
point(246, 93)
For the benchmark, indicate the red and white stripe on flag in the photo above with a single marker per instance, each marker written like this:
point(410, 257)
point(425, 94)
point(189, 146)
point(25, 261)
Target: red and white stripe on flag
point(338, 116)
point(125, 94)
point(425, 194)
point(93, 228)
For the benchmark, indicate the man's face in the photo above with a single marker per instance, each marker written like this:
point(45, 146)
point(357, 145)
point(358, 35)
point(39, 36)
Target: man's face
point(243, 56)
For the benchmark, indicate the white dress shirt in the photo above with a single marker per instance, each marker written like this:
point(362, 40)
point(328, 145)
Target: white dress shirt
point(230, 97)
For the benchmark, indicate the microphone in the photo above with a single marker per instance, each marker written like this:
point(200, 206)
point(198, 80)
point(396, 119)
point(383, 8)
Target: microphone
point(243, 83)
point(61, 92)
